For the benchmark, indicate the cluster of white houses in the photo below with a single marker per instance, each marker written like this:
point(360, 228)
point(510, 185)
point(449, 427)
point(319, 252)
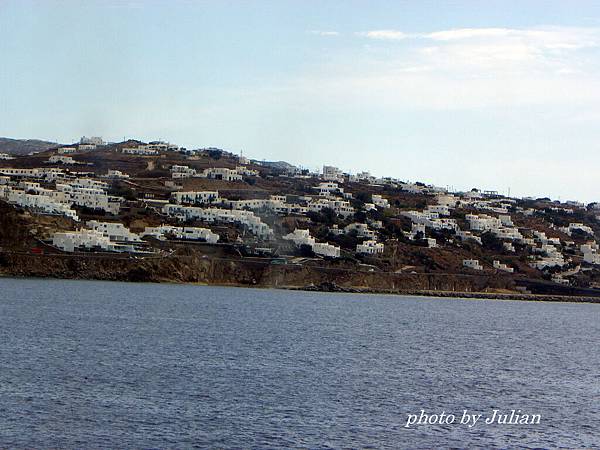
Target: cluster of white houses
point(85, 192)
point(115, 237)
point(546, 251)
point(150, 149)
point(275, 203)
point(302, 237)
point(38, 199)
point(56, 191)
point(213, 173)
point(62, 159)
point(85, 144)
point(247, 219)
point(103, 236)
point(165, 232)
point(591, 252)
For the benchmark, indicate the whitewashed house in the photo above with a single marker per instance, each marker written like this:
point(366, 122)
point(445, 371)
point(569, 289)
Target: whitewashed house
point(370, 247)
point(362, 230)
point(178, 171)
point(222, 173)
point(340, 207)
point(195, 197)
point(61, 159)
point(303, 237)
point(142, 150)
point(472, 264)
point(92, 140)
point(210, 215)
point(66, 150)
point(116, 175)
point(331, 173)
point(187, 233)
point(328, 188)
point(380, 201)
point(246, 172)
point(503, 267)
point(115, 231)
point(577, 226)
point(86, 239)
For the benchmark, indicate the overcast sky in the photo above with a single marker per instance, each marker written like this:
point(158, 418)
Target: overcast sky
point(494, 94)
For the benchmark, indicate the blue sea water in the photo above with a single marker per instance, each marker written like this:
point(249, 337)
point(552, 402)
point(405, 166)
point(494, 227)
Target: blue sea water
point(88, 364)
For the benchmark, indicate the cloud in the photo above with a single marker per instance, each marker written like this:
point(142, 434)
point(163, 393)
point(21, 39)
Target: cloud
point(557, 50)
point(324, 32)
point(467, 33)
point(460, 69)
point(390, 35)
point(565, 38)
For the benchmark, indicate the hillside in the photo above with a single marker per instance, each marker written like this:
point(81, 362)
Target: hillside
point(24, 146)
point(272, 224)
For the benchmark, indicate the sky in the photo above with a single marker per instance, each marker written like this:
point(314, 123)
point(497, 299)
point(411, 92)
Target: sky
point(498, 95)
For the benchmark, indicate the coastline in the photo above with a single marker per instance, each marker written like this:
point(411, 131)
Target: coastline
point(332, 288)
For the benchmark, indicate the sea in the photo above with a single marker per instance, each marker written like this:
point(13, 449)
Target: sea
point(88, 364)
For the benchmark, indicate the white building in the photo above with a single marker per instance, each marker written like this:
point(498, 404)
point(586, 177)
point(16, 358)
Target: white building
point(379, 201)
point(303, 237)
point(195, 197)
point(472, 264)
point(503, 267)
point(5, 156)
point(66, 150)
point(483, 222)
point(88, 240)
point(327, 188)
point(210, 215)
point(590, 253)
point(370, 247)
point(362, 230)
point(577, 226)
point(431, 220)
point(591, 258)
point(178, 171)
point(92, 140)
point(222, 173)
point(92, 198)
point(116, 175)
point(468, 236)
point(364, 177)
point(245, 171)
point(61, 159)
point(340, 207)
point(186, 233)
point(507, 233)
point(38, 202)
point(432, 243)
point(39, 173)
point(506, 220)
point(331, 173)
point(143, 150)
point(550, 257)
point(162, 146)
point(115, 231)
point(441, 210)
